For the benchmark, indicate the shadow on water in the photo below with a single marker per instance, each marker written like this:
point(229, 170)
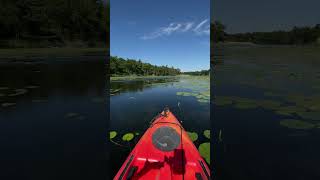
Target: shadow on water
point(52, 116)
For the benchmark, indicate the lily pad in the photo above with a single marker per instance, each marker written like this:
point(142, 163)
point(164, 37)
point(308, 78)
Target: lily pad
point(206, 133)
point(193, 136)
point(296, 124)
point(309, 115)
point(222, 101)
point(32, 87)
point(204, 150)
point(18, 92)
point(71, 115)
point(8, 104)
point(128, 137)
point(289, 110)
point(112, 134)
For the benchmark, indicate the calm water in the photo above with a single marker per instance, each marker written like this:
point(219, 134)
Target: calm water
point(134, 103)
point(270, 128)
point(53, 118)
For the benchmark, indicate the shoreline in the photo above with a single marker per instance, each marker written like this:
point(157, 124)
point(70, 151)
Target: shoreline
point(27, 53)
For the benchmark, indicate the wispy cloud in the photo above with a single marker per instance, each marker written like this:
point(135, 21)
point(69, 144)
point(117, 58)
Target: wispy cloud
point(202, 28)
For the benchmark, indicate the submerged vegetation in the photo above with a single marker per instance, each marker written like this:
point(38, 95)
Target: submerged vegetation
point(125, 67)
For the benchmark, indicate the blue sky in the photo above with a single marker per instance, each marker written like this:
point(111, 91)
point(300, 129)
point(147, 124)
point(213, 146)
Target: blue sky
point(167, 32)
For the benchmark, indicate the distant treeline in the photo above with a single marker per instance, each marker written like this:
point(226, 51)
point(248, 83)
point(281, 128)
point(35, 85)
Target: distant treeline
point(122, 67)
point(43, 23)
point(295, 36)
point(198, 73)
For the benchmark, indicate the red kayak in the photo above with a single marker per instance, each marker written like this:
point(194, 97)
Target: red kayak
point(164, 152)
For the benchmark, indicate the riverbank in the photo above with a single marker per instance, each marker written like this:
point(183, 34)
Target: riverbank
point(23, 53)
point(134, 77)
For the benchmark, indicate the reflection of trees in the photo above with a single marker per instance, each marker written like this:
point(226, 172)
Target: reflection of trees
point(141, 85)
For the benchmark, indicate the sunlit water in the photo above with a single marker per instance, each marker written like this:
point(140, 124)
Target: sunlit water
point(133, 104)
point(267, 107)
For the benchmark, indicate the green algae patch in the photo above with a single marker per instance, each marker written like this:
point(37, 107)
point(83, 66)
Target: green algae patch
point(296, 124)
point(193, 136)
point(128, 137)
point(206, 133)
point(204, 150)
point(112, 134)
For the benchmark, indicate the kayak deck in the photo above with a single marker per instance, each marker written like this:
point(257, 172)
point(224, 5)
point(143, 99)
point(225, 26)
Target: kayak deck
point(165, 152)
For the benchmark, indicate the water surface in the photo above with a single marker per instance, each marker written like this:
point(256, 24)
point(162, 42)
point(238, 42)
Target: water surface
point(267, 106)
point(53, 117)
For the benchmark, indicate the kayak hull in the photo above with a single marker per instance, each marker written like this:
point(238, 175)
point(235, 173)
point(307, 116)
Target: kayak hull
point(164, 152)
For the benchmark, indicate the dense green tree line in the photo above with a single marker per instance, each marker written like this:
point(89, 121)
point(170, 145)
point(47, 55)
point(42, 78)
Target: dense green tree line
point(218, 31)
point(122, 67)
point(55, 22)
point(198, 73)
point(297, 35)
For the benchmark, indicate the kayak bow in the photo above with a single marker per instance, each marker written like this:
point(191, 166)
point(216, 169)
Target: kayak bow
point(164, 152)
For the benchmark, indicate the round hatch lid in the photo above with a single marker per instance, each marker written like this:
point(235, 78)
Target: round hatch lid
point(166, 138)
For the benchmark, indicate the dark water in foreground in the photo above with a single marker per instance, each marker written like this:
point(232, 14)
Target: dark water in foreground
point(135, 103)
point(52, 119)
point(255, 144)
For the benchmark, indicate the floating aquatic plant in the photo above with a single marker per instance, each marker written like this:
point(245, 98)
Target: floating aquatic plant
point(32, 87)
point(309, 115)
point(193, 136)
point(18, 92)
point(296, 124)
point(204, 150)
point(128, 137)
point(206, 133)
point(71, 115)
point(222, 101)
point(38, 100)
point(8, 104)
point(112, 134)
